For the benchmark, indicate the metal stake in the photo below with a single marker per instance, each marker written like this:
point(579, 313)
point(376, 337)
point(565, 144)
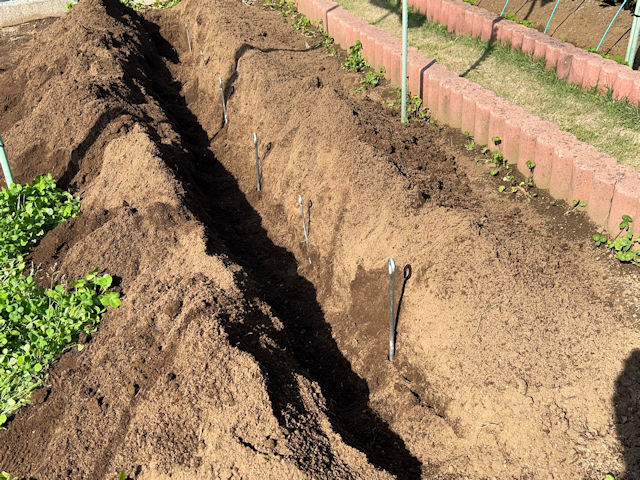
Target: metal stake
point(6, 168)
point(405, 42)
point(202, 56)
point(224, 103)
point(304, 224)
point(188, 39)
point(392, 330)
point(255, 144)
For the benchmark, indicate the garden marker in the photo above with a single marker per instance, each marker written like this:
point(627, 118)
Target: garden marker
point(188, 39)
point(202, 56)
point(224, 104)
point(405, 36)
point(6, 168)
point(255, 144)
point(392, 331)
point(304, 224)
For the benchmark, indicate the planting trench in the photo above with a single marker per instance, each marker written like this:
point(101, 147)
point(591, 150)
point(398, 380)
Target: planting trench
point(241, 352)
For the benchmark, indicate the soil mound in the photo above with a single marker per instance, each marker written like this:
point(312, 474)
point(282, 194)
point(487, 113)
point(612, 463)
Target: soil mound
point(240, 351)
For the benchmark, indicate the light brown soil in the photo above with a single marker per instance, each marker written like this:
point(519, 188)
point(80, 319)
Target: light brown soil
point(580, 22)
point(241, 352)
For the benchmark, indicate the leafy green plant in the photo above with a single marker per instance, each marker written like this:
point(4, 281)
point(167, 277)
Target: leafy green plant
point(484, 150)
point(617, 58)
point(471, 145)
point(621, 246)
point(512, 16)
point(7, 476)
point(355, 61)
point(372, 79)
point(496, 140)
point(37, 324)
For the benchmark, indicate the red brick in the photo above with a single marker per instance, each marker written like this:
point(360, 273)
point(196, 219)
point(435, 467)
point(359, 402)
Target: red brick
point(498, 116)
point(529, 40)
point(382, 39)
point(625, 199)
point(566, 152)
point(478, 23)
point(437, 76)
point(488, 26)
point(469, 19)
point(434, 14)
point(603, 185)
point(583, 172)
point(634, 97)
point(483, 116)
point(444, 13)
point(416, 63)
point(431, 68)
point(563, 63)
point(392, 58)
point(592, 71)
point(545, 152)
point(514, 120)
point(517, 36)
point(458, 89)
point(471, 94)
point(552, 53)
point(504, 30)
point(608, 75)
point(578, 67)
point(623, 85)
point(444, 99)
point(368, 38)
point(460, 19)
point(542, 41)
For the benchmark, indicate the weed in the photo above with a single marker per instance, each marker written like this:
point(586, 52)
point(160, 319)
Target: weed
point(484, 150)
point(621, 246)
point(512, 16)
point(618, 58)
point(355, 61)
point(372, 78)
point(37, 324)
point(496, 140)
point(470, 146)
point(501, 188)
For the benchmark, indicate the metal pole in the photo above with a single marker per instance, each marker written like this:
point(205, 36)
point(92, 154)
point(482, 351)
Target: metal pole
point(614, 19)
point(392, 324)
point(6, 168)
point(504, 8)
point(633, 39)
point(188, 39)
point(255, 144)
point(405, 40)
point(552, 13)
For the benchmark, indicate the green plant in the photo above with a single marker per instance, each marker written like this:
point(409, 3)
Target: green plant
point(484, 150)
point(618, 58)
point(355, 61)
point(7, 476)
point(37, 324)
point(470, 146)
point(501, 188)
point(372, 78)
point(496, 140)
point(621, 246)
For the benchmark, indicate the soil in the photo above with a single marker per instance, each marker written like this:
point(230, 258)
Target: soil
point(239, 350)
point(580, 22)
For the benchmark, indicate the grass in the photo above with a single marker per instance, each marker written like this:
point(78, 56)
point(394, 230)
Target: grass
point(38, 324)
point(613, 127)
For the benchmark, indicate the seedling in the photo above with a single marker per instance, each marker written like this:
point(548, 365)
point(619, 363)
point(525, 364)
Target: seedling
point(255, 144)
point(496, 140)
point(470, 146)
point(501, 188)
point(188, 39)
point(484, 150)
point(622, 246)
point(372, 79)
point(224, 102)
point(355, 61)
point(494, 172)
point(391, 264)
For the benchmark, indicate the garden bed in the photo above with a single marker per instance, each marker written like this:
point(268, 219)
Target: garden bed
point(241, 352)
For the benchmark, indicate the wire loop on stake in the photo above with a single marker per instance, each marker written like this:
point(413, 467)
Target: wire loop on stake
point(224, 103)
point(392, 330)
point(188, 39)
point(255, 144)
point(304, 223)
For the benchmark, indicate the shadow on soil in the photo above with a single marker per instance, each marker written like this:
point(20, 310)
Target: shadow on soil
point(305, 346)
point(627, 404)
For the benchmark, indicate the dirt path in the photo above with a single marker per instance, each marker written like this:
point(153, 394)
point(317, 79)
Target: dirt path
point(241, 352)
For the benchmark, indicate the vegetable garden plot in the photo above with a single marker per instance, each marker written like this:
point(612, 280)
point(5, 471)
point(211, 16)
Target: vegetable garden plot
point(242, 350)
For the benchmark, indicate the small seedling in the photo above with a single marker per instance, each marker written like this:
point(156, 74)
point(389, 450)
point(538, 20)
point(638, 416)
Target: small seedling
point(466, 134)
point(484, 150)
point(470, 146)
point(355, 61)
point(508, 178)
point(501, 188)
point(514, 189)
point(621, 246)
point(372, 79)
point(494, 172)
point(496, 140)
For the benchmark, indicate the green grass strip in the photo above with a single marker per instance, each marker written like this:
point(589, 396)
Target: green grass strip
point(38, 324)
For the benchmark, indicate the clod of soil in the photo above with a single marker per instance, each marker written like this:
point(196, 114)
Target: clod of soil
point(241, 352)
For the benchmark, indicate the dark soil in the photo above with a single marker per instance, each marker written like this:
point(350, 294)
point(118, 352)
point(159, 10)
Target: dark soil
point(239, 351)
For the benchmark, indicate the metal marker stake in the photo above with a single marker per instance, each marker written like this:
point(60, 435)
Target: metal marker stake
point(392, 331)
point(188, 39)
point(304, 224)
point(255, 144)
point(6, 168)
point(224, 103)
point(202, 56)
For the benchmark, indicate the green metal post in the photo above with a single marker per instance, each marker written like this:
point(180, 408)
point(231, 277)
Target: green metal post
point(6, 169)
point(633, 38)
point(405, 40)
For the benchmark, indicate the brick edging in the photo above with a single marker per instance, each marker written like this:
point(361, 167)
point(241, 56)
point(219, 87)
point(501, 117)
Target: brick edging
point(568, 168)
